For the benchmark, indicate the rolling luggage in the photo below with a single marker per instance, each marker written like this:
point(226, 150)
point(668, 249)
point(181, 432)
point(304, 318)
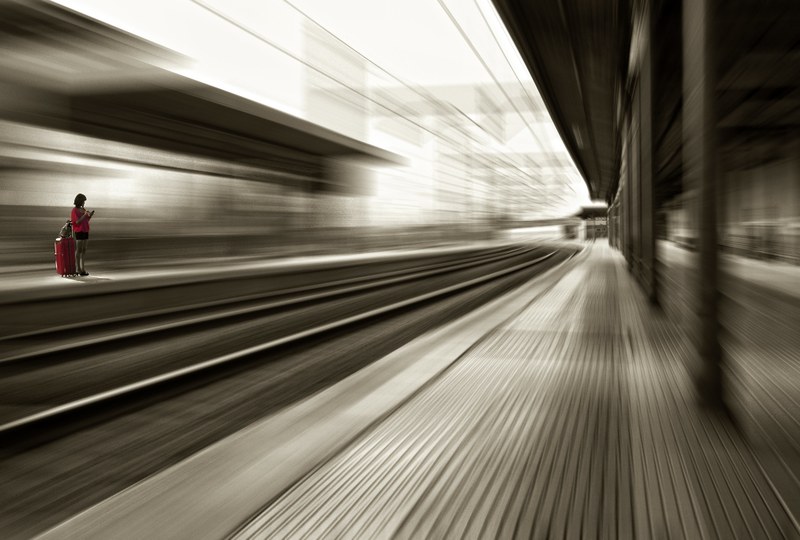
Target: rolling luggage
point(65, 256)
point(65, 252)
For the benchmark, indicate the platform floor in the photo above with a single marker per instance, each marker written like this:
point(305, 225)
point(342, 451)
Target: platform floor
point(575, 416)
point(760, 317)
point(574, 419)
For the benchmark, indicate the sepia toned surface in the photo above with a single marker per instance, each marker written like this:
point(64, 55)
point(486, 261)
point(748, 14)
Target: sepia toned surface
point(430, 269)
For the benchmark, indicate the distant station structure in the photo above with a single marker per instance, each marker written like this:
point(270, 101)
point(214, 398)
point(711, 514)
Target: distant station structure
point(105, 83)
point(89, 107)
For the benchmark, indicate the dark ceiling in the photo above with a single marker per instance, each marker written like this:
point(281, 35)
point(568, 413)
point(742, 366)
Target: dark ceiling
point(758, 86)
point(577, 53)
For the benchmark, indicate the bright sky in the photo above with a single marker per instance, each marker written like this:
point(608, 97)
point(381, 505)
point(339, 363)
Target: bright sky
point(414, 39)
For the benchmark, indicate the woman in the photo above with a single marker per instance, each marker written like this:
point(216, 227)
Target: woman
point(80, 228)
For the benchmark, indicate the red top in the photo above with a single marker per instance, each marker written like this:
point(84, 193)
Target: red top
point(83, 226)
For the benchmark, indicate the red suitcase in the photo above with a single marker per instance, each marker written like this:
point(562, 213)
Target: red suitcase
point(65, 256)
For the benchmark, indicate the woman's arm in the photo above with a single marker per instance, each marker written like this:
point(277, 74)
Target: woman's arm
point(86, 215)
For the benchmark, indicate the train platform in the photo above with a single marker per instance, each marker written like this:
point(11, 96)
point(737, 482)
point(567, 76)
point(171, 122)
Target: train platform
point(778, 276)
point(564, 409)
point(37, 282)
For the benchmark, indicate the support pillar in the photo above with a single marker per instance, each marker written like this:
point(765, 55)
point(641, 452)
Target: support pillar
point(628, 190)
point(635, 176)
point(648, 173)
point(700, 171)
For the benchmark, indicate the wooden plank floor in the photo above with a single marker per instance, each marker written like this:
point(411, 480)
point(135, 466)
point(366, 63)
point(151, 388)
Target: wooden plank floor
point(575, 419)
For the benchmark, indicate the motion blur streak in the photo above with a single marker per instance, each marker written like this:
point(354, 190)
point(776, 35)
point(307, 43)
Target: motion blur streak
point(287, 139)
point(564, 234)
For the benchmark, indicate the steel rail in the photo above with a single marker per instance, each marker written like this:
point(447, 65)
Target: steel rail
point(95, 399)
point(366, 283)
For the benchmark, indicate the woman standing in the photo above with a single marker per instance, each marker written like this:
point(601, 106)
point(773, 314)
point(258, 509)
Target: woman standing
point(80, 226)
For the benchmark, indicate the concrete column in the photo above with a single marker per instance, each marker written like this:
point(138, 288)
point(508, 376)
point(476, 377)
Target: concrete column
point(633, 172)
point(611, 227)
point(700, 171)
point(625, 206)
point(627, 201)
point(647, 161)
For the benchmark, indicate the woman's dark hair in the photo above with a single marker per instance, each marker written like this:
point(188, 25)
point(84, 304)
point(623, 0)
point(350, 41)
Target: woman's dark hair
point(80, 198)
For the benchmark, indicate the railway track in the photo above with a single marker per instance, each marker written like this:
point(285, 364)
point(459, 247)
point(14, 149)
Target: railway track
point(67, 371)
point(39, 344)
point(57, 467)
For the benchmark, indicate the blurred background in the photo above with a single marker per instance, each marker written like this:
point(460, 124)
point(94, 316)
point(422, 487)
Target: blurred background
point(213, 131)
point(270, 128)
